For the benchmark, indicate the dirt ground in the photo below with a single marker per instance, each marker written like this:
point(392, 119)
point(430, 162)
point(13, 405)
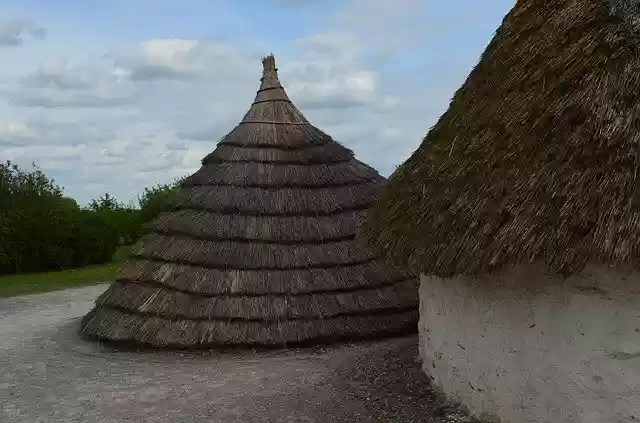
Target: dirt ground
point(48, 375)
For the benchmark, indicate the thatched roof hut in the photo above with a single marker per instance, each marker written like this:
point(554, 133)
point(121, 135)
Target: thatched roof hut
point(521, 208)
point(261, 246)
point(536, 158)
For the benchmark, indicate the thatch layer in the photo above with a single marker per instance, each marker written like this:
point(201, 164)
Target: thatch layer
point(326, 153)
point(250, 255)
point(162, 301)
point(309, 201)
point(537, 158)
point(215, 282)
point(282, 175)
point(259, 228)
point(273, 134)
point(121, 326)
point(279, 113)
point(261, 247)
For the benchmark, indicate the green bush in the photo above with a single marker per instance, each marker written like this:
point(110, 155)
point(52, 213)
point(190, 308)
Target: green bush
point(41, 230)
point(155, 200)
point(95, 239)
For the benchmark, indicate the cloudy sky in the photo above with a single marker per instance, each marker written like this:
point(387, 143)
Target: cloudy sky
point(116, 95)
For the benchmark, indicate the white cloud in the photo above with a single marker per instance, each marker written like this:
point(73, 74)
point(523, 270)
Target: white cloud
point(180, 60)
point(147, 113)
point(56, 84)
point(336, 45)
point(42, 152)
point(386, 25)
point(46, 132)
point(179, 98)
point(15, 134)
point(342, 91)
point(329, 77)
point(12, 32)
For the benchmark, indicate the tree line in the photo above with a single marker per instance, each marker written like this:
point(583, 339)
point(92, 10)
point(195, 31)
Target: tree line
point(42, 230)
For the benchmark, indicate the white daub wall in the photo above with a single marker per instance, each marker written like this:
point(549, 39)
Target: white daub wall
point(527, 347)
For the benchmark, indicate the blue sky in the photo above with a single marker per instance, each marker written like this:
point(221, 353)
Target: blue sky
point(117, 95)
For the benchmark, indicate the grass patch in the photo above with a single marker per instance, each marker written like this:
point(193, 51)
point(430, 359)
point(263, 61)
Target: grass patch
point(32, 283)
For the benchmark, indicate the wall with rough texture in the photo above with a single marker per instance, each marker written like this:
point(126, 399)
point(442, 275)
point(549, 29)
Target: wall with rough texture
point(544, 349)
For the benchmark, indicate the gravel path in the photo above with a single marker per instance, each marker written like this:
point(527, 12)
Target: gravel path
point(48, 375)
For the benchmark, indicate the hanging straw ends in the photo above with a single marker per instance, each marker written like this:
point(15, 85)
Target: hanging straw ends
point(124, 327)
point(163, 301)
point(210, 282)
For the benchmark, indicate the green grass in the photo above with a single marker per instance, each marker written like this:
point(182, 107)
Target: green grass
point(31, 283)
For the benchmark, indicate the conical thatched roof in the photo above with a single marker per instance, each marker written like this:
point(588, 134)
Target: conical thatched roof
point(261, 247)
point(537, 158)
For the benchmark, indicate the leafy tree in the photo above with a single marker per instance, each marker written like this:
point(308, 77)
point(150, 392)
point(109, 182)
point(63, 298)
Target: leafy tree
point(17, 183)
point(155, 200)
point(34, 223)
point(95, 238)
point(40, 229)
point(124, 218)
point(106, 203)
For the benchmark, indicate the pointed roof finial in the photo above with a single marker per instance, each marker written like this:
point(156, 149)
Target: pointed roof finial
point(270, 87)
point(269, 70)
point(269, 62)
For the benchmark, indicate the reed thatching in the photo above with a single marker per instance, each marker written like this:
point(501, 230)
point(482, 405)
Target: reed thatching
point(537, 158)
point(261, 247)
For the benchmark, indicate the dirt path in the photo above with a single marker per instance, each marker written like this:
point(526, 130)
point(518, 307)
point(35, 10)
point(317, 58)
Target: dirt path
point(48, 375)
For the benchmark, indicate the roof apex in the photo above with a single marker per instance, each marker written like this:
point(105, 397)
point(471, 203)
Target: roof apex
point(269, 78)
point(269, 63)
point(272, 104)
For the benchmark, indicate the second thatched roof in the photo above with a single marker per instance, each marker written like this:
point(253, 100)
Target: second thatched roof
point(261, 247)
point(537, 158)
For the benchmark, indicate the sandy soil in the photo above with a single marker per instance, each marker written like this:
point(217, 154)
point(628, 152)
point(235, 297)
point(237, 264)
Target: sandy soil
point(48, 375)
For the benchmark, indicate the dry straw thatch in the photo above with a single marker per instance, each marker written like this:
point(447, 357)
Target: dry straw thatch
point(261, 247)
point(537, 158)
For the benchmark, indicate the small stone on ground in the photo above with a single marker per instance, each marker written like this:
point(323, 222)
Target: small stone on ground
point(49, 375)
